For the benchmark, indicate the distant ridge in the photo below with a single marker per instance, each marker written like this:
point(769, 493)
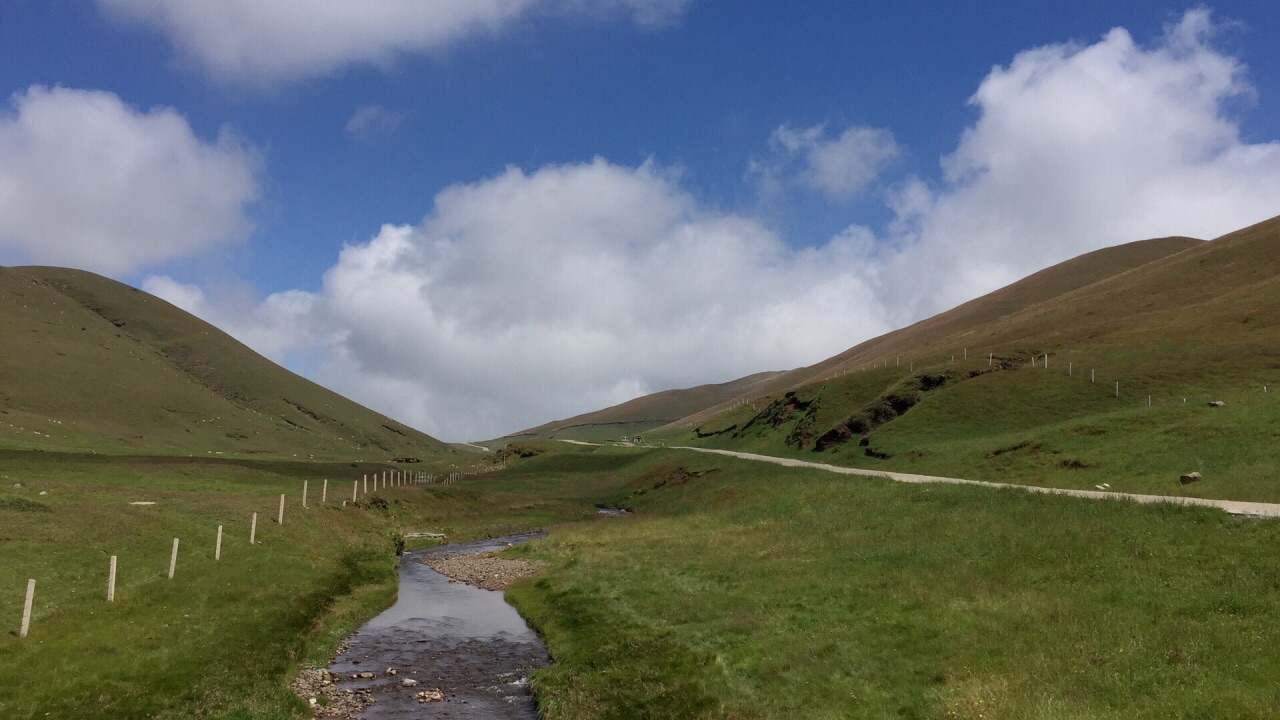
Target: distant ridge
point(979, 319)
point(646, 412)
point(92, 364)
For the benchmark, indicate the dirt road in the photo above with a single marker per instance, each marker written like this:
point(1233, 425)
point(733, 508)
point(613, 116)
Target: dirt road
point(1235, 507)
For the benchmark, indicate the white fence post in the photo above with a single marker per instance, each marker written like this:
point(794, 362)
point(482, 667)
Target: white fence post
point(173, 559)
point(26, 608)
point(324, 492)
point(217, 549)
point(355, 489)
point(111, 581)
point(280, 518)
point(253, 529)
point(304, 493)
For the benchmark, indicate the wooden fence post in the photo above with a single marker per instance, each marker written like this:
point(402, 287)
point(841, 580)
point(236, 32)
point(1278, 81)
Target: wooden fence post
point(111, 581)
point(324, 492)
point(253, 529)
point(304, 493)
point(173, 559)
point(217, 549)
point(26, 608)
point(280, 518)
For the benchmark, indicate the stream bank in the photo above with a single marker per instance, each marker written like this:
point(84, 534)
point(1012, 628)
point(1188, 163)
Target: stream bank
point(448, 636)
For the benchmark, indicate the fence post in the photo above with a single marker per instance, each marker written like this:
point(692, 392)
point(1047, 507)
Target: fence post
point(26, 608)
point(173, 559)
point(355, 488)
point(217, 549)
point(1070, 369)
point(366, 483)
point(111, 581)
point(280, 518)
point(304, 493)
point(253, 529)
point(1093, 376)
point(324, 492)
point(1117, 388)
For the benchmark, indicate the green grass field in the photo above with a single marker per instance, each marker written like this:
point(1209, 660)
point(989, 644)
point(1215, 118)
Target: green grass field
point(1033, 426)
point(222, 639)
point(748, 591)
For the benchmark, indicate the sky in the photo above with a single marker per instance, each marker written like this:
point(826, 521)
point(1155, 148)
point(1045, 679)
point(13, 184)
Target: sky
point(477, 216)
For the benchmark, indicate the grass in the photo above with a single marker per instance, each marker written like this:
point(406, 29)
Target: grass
point(92, 365)
point(222, 639)
point(741, 591)
point(1042, 427)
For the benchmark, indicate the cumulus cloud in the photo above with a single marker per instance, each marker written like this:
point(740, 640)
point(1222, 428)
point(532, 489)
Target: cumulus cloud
point(88, 181)
point(1081, 147)
point(531, 296)
point(527, 296)
point(840, 167)
point(372, 120)
point(271, 41)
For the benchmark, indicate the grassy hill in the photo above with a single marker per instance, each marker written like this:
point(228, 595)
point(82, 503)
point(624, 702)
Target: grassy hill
point(1176, 322)
point(645, 413)
point(90, 364)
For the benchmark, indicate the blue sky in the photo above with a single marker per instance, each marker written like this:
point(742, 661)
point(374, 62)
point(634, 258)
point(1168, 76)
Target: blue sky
point(494, 167)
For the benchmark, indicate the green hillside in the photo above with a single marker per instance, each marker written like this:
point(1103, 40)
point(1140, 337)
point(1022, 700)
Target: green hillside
point(645, 413)
point(90, 364)
point(1178, 323)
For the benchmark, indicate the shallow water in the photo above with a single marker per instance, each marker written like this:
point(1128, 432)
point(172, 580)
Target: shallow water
point(463, 640)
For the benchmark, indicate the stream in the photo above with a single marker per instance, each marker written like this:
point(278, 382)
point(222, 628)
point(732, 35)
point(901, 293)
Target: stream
point(467, 642)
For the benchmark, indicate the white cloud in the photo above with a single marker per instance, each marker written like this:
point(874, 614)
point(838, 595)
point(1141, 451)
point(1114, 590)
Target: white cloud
point(839, 167)
point(530, 296)
point(372, 120)
point(271, 41)
point(88, 181)
point(1082, 147)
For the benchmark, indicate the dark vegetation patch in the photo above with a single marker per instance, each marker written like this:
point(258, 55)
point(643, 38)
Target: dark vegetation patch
point(309, 413)
point(1073, 464)
point(17, 504)
point(523, 449)
point(889, 406)
point(712, 433)
point(666, 477)
point(779, 412)
point(1024, 445)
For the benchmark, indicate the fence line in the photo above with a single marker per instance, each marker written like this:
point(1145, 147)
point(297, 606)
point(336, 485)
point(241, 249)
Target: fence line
point(391, 479)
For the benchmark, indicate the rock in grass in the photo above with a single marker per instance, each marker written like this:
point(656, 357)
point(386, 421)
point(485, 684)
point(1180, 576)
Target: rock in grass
point(1190, 478)
point(1217, 403)
point(408, 682)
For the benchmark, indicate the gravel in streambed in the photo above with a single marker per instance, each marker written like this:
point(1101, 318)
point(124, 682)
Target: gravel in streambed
point(483, 570)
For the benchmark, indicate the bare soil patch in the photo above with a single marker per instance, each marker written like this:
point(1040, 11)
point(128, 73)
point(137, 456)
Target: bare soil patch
point(483, 570)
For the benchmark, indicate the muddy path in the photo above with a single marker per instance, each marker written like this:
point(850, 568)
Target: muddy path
point(464, 641)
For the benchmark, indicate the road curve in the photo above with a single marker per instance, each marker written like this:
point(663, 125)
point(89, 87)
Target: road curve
point(1235, 507)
